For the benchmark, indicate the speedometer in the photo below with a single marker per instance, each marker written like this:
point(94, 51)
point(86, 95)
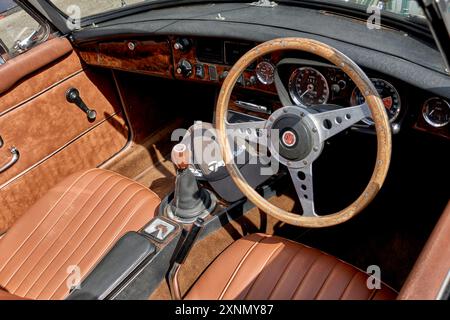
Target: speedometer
point(389, 95)
point(307, 86)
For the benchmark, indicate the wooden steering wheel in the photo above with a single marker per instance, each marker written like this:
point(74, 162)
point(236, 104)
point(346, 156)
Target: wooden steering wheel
point(301, 133)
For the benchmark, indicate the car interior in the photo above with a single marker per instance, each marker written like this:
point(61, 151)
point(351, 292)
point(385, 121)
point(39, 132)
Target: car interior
point(223, 150)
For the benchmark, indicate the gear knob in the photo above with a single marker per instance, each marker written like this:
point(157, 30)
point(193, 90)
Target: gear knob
point(180, 156)
point(190, 200)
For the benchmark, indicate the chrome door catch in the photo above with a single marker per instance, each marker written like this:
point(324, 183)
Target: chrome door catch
point(15, 157)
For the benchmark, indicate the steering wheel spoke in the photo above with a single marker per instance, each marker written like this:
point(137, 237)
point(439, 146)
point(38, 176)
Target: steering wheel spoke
point(330, 123)
point(253, 132)
point(303, 183)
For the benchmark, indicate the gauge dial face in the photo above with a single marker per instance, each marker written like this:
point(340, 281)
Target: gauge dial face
point(307, 86)
point(388, 94)
point(265, 72)
point(436, 112)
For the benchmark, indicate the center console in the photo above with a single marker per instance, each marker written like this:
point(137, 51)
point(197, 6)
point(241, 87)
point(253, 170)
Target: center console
point(204, 200)
point(134, 266)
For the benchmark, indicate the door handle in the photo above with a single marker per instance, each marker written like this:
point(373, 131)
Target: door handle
point(1, 142)
point(15, 157)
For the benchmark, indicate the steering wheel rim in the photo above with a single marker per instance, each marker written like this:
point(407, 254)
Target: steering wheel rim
point(373, 101)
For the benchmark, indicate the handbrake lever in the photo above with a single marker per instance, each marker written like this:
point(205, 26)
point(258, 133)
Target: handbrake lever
point(180, 258)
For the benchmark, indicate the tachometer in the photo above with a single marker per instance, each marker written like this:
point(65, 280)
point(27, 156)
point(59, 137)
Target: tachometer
point(388, 94)
point(307, 86)
point(436, 112)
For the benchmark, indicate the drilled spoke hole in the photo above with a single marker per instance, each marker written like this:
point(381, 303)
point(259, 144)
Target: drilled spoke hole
point(327, 124)
point(301, 175)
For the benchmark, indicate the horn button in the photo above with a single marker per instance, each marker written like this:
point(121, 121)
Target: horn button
point(295, 142)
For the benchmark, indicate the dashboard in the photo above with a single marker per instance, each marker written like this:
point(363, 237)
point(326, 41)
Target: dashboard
point(281, 78)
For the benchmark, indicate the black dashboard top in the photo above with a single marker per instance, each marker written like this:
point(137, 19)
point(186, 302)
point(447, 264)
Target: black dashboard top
point(387, 51)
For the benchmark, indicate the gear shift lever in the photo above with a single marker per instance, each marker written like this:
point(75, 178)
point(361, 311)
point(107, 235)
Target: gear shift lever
point(190, 201)
point(180, 156)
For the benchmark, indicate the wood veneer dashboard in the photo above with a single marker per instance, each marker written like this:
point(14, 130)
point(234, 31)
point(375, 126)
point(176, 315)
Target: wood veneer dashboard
point(204, 60)
point(158, 57)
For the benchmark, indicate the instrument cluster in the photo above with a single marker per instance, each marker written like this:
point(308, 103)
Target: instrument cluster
point(319, 86)
point(314, 86)
point(308, 81)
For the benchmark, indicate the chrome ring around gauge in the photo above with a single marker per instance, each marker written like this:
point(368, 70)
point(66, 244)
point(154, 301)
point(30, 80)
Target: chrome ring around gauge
point(388, 94)
point(307, 86)
point(265, 72)
point(436, 112)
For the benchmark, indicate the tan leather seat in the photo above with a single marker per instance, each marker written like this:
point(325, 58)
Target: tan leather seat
point(263, 267)
point(73, 225)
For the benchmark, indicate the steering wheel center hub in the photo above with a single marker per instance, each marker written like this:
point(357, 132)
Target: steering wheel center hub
point(294, 141)
point(293, 136)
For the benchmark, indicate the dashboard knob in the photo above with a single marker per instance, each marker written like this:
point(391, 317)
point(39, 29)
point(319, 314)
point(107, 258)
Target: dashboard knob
point(182, 44)
point(184, 68)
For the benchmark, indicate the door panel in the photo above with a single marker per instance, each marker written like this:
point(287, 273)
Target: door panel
point(46, 123)
point(53, 136)
point(88, 151)
point(40, 81)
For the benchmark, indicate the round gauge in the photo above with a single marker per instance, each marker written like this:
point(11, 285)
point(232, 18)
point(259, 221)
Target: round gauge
point(265, 72)
point(436, 112)
point(388, 94)
point(307, 86)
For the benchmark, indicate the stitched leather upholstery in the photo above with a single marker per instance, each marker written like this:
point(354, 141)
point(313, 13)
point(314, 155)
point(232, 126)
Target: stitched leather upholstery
point(73, 225)
point(263, 267)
